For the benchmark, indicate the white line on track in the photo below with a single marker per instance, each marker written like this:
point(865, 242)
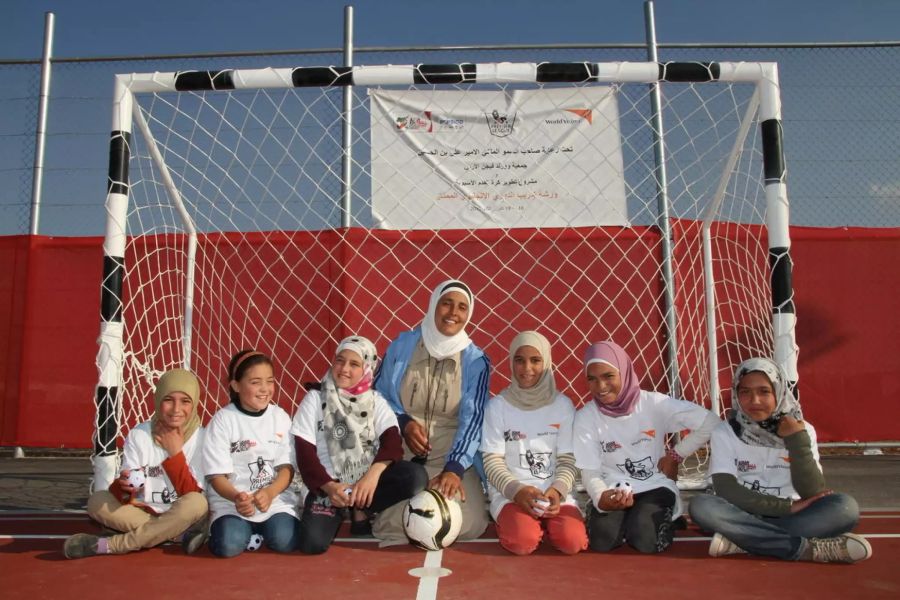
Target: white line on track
point(429, 574)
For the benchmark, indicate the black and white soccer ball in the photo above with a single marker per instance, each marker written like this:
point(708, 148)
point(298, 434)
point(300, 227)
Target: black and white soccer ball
point(624, 486)
point(137, 478)
point(430, 521)
point(255, 543)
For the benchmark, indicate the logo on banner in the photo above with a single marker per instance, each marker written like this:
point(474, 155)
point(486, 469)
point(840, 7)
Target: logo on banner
point(500, 124)
point(414, 123)
point(579, 115)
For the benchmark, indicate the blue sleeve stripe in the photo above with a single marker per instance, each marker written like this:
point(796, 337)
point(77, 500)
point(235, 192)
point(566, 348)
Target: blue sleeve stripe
point(472, 433)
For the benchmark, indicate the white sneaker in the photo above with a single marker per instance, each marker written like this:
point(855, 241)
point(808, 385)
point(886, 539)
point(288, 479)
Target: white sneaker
point(845, 548)
point(722, 546)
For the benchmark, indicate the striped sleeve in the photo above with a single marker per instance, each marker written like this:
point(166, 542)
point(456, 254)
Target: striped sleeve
point(499, 475)
point(566, 472)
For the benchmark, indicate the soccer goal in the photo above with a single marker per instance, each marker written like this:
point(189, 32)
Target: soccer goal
point(283, 209)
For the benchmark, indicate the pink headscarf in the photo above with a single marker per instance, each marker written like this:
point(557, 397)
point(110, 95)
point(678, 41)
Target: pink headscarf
point(613, 355)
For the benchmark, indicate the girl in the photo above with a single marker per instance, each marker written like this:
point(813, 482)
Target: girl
point(436, 381)
point(250, 463)
point(619, 440)
point(770, 493)
point(349, 450)
point(167, 450)
point(528, 459)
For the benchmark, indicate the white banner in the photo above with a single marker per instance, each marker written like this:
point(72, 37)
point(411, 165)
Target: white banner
point(524, 158)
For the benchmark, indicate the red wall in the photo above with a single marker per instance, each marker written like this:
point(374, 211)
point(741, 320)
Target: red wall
point(846, 281)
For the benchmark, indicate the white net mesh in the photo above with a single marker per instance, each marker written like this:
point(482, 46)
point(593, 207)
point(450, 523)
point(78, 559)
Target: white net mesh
point(259, 173)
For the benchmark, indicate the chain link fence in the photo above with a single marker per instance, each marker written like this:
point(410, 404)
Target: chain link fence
point(841, 127)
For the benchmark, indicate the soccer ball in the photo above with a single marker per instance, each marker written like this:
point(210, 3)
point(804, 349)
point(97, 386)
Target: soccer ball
point(255, 542)
point(136, 478)
point(623, 485)
point(430, 521)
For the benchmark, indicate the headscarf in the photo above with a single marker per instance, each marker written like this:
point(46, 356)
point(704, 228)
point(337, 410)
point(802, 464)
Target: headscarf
point(616, 357)
point(349, 415)
point(544, 391)
point(439, 345)
point(763, 433)
point(178, 380)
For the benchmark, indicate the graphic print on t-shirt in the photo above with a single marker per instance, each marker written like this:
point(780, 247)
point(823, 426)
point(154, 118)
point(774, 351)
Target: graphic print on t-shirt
point(165, 496)
point(638, 469)
point(262, 473)
point(536, 463)
point(762, 489)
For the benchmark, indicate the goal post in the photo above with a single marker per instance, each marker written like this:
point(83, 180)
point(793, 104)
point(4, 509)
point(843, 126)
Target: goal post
point(228, 223)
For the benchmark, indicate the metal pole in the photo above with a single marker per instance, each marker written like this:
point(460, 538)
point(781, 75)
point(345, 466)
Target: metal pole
point(41, 131)
point(347, 133)
point(662, 201)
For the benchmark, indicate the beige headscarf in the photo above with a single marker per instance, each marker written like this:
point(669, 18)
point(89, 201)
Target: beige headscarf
point(544, 391)
point(178, 380)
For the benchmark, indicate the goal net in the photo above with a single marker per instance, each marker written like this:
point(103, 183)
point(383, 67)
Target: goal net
point(283, 209)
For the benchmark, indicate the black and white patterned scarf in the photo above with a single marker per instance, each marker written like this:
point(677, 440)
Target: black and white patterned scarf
point(763, 433)
point(349, 415)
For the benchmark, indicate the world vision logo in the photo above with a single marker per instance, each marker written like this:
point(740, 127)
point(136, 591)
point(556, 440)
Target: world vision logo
point(554, 425)
point(650, 433)
point(786, 459)
point(579, 115)
point(500, 124)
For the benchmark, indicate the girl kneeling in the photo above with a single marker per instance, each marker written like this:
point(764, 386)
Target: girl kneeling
point(349, 450)
point(250, 462)
point(528, 459)
point(620, 447)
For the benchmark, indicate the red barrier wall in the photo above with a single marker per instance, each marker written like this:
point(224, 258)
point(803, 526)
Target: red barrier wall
point(846, 283)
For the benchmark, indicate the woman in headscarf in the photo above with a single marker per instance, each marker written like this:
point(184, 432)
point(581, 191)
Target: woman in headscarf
point(620, 447)
point(166, 450)
point(349, 450)
point(436, 381)
point(771, 497)
point(528, 456)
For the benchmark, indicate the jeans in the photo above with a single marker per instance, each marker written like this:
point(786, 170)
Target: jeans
point(321, 521)
point(779, 537)
point(646, 526)
point(230, 534)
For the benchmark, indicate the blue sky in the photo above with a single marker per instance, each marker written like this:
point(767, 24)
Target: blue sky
point(89, 28)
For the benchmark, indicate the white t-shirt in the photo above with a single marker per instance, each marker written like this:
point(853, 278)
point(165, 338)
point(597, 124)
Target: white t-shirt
point(628, 448)
point(248, 449)
point(141, 452)
point(762, 469)
point(530, 440)
point(307, 425)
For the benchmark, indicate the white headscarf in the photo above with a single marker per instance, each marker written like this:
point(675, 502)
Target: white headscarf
point(763, 433)
point(439, 345)
point(541, 393)
point(349, 415)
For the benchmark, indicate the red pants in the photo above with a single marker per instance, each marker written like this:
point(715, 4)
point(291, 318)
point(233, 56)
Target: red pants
point(521, 533)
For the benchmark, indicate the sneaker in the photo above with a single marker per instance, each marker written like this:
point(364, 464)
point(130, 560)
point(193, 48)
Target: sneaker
point(722, 546)
point(80, 545)
point(193, 540)
point(845, 548)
